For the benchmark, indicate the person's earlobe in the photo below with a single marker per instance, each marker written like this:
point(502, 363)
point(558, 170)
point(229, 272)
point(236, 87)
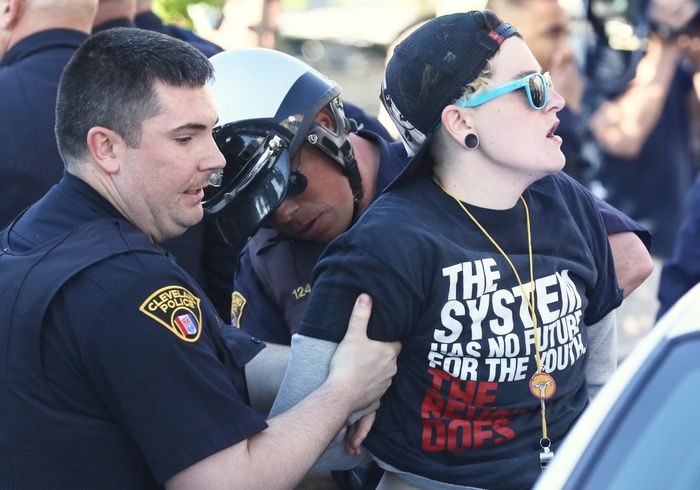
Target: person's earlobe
point(9, 13)
point(105, 147)
point(458, 124)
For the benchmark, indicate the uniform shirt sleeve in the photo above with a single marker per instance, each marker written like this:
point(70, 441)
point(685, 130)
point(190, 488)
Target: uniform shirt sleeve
point(615, 221)
point(252, 309)
point(174, 398)
point(345, 271)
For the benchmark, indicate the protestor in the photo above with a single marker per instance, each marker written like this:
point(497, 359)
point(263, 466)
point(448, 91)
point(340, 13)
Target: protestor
point(273, 276)
point(37, 38)
point(109, 346)
point(493, 268)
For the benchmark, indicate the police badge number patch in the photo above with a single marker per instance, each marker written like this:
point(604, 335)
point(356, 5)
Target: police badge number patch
point(176, 309)
point(238, 302)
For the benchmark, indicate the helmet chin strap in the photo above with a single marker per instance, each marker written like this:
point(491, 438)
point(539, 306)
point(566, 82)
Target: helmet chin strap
point(337, 146)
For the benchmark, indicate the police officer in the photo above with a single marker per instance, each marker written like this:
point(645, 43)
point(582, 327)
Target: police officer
point(335, 174)
point(201, 261)
point(116, 373)
point(37, 38)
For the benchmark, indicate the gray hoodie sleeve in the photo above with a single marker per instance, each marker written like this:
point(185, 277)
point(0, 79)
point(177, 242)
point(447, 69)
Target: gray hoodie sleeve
point(602, 353)
point(307, 370)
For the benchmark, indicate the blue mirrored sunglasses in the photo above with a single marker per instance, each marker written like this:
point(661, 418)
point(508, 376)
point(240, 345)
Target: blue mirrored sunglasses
point(536, 86)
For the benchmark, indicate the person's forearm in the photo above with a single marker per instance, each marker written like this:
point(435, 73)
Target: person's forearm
point(623, 124)
point(309, 428)
point(696, 84)
point(279, 456)
point(633, 264)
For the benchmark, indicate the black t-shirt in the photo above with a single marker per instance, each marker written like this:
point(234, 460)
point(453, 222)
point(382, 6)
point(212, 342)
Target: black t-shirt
point(459, 410)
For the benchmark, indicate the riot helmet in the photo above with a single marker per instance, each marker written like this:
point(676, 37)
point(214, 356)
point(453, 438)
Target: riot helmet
point(267, 102)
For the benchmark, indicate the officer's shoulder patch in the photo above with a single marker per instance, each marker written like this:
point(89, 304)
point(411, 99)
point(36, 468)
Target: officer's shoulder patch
point(177, 309)
point(238, 302)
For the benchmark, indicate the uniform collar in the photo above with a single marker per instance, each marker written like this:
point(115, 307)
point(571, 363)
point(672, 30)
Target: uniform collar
point(392, 159)
point(41, 41)
point(112, 24)
point(149, 20)
point(67, 205)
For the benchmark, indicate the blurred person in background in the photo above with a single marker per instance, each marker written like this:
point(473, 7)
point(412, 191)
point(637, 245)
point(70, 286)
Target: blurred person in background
point(37, 38)
point(642, 127)
point(682, 271)
point(545, 28)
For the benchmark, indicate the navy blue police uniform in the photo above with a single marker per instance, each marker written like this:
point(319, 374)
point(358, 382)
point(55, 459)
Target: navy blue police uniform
point(116, 371)
point(273, 275)
point(29, 159)
point(459, 409)
point(123, 22)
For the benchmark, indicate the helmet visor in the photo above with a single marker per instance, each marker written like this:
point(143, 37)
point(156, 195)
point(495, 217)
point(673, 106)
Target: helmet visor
point(252, 184)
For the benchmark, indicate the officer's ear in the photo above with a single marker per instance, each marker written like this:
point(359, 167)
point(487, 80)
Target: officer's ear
point(9, 13)
point(326, 119)
point(106, 148)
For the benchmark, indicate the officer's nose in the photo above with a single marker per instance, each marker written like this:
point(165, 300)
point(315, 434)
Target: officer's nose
point(214, 159)
point(284, 214)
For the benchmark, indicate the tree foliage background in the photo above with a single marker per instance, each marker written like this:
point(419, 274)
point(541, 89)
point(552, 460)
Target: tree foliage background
point(176, 10)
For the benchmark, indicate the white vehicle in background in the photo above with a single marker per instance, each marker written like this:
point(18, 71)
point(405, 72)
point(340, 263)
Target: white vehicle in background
point(643, 429)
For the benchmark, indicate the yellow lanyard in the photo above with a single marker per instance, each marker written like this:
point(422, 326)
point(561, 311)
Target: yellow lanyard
point(540, 379)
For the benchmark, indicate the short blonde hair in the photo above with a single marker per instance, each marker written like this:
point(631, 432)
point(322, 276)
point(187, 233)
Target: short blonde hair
point(480, 83)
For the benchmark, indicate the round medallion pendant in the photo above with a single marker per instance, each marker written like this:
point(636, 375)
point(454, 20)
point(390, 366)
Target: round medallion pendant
point(542, 386)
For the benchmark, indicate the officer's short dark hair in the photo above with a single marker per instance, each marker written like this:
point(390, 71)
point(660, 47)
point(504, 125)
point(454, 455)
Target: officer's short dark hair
point(110, 81)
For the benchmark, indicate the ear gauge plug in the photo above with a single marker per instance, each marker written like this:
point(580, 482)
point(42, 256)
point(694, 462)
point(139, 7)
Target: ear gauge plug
point(471, 141)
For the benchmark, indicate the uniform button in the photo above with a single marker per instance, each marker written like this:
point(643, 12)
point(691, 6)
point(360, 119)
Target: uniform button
point(255, 340)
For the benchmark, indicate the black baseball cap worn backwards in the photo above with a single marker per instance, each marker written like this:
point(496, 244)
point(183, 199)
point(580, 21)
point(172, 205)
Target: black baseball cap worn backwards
point(429, 70)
